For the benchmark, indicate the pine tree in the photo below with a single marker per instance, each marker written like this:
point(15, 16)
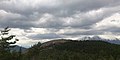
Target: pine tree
point(20, 53)
point(5, 44)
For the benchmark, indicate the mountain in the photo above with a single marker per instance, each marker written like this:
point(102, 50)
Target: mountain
point(91, 38)
point(63, 49)
point(113, 40)
point(17, 48)
point(117, 41)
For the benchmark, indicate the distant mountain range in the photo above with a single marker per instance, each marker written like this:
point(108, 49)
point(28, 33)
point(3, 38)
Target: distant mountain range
point(17, 48)
point(114, 40)
point(57, 42)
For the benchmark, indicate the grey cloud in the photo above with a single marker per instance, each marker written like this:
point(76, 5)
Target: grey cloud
point(30, 16)
point(49, 21)
point(114, 30)
point(44, 36)
point(90, 18)
point(4, 0)
point(69, 6)
point(78, 33)
point(15, 20)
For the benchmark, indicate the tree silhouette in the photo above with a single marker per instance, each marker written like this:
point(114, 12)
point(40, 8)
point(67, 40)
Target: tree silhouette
point(6, 43)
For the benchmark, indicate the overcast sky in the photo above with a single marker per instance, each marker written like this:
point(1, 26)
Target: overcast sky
point(43, 20)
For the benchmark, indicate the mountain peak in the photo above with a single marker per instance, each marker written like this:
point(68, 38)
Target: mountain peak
point(110, 39)
point(98, 37)
point(91, 38)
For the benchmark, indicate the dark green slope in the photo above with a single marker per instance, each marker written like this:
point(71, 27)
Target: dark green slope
point(74, 50)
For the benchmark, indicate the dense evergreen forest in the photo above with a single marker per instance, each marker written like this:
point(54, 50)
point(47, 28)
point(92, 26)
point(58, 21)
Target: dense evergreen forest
point(61, 49)
point(73, 50)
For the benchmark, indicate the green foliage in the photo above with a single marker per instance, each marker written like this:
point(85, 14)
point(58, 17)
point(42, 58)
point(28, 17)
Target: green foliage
point(75, 50)
point(33, 51)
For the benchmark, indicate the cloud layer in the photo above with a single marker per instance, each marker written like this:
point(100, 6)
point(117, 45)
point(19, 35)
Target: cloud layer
point(50, 19)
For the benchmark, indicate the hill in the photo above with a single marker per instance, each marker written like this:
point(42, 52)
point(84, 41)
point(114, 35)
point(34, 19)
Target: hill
point(74, 50)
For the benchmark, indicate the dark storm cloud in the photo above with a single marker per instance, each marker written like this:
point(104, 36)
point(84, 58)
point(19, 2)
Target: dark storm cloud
point(15, 20)
point(57, 14)
point(65, 8)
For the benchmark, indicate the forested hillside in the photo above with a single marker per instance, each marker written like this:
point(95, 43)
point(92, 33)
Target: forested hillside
point(73, 50)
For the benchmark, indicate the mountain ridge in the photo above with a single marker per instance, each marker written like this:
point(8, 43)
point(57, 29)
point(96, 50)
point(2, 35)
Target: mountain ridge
point(114, 40)
point(17, 48)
